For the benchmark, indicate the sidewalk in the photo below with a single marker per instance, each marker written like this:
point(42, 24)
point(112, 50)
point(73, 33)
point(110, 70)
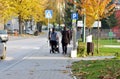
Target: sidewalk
point(112, 46)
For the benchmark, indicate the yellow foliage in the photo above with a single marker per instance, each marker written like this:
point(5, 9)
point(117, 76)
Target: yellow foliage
point(6, 12)
point(23, 8)
point(96, 10)
point(56, 6)
point(89, 21)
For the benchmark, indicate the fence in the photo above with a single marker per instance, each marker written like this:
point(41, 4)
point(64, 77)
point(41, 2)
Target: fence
point(102, 33)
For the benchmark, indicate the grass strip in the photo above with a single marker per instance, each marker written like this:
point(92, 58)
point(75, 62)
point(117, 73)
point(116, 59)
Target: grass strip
point(97, 69)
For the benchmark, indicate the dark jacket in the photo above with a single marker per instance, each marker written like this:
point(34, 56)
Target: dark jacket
point(65, 37)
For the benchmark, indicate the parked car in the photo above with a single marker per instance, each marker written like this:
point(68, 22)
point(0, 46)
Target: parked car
point(2, 49)
point(3, 35)
point(29, 32)
point(10, 31)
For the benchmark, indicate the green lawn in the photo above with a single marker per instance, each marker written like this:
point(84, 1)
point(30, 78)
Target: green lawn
point(107, 42)
point(104, 51)
point(97, 69)
point(100, 69)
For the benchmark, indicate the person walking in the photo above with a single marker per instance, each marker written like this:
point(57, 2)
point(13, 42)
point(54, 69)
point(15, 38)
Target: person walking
point(65, 40)
point(53, 40)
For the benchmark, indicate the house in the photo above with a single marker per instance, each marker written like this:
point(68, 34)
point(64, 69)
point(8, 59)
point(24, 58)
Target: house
point(116, 29)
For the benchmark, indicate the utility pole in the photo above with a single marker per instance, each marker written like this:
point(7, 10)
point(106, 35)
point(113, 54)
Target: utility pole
point(74, 28)
point(74, 18)
point(84, 25)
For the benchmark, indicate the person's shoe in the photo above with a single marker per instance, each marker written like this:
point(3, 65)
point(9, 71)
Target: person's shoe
point(58, 51)
point(53, 51)
point(65, 53)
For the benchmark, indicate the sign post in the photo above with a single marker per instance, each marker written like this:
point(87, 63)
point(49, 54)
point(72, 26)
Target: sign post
point(110, 34)
point(74, 17)
point(48, 15)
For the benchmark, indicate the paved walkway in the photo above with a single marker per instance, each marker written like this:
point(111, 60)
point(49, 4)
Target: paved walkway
point(112, 46)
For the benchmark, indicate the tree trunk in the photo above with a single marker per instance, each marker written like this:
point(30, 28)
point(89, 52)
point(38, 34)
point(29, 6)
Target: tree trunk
point(20, 24)
point(98, 38)
point(23, 26)
point(5, 27)
point(31, 25)
point(39, 26)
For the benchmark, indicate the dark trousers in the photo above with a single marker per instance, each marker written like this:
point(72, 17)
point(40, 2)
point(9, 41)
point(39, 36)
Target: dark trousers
point(64, 48)
point(53, 45)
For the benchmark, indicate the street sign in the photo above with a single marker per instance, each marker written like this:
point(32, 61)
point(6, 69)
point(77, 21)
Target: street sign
point(48, 14)
point(74, 16)
point(110, 34)
point(95, 24)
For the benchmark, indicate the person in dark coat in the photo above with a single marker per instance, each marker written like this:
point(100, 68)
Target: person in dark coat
point(65, 40)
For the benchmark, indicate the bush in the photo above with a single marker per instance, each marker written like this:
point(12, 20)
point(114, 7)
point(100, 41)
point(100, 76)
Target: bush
point(117, 54)
point(81, 49)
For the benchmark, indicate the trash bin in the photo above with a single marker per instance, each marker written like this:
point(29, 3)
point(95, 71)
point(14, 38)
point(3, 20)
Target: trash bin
point(36, 33)
point(90, 45)
point(89, 38)
point(90, 48)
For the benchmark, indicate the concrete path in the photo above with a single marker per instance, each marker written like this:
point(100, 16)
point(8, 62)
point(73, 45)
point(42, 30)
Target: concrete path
point(112, 46)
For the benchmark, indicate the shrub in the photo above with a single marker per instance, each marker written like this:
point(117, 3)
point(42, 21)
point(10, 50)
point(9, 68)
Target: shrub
point(117, 54)
point(81, 49)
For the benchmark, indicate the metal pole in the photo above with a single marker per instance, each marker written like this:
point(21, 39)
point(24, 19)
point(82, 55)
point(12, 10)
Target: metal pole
point(74, 29)
point(48, 31)
point(74, 50)
point(48, 25)
point(84, 25)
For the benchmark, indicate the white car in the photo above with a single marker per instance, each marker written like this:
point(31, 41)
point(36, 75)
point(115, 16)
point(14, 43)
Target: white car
point(29, 32)
point(2, 50)
point(3, 35)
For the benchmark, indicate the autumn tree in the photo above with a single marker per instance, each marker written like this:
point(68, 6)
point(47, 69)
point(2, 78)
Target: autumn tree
point(58, 7)
point(95, 10)
point(109, 22)
point(61, 11)
point(29, 9)
point(23, 9)
point(6, 11)
point(54, 8)
point(68, 12)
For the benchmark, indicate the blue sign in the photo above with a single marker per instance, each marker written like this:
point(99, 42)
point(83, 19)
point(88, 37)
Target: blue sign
point(74, 16)
point(48, 14)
